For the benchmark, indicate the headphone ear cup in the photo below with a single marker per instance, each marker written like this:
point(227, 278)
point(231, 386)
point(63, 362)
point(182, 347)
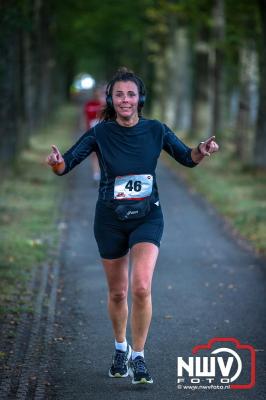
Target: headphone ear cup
point(109, 100)
point(142, 99)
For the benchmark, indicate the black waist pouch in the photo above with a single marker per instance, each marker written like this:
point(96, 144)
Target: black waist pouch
point(131, 209)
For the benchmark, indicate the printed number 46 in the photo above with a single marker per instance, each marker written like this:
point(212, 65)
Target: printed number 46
point(133, 185)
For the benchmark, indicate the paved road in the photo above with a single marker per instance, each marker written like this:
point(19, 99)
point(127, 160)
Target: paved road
point(206, 285)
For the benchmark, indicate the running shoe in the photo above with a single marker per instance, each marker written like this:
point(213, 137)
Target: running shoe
point(119, 366)
point(138, 371)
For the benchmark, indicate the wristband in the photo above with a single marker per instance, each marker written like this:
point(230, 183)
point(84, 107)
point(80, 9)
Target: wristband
point(198, 148)
point(58, 166)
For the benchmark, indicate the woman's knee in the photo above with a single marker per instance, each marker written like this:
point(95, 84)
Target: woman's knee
point(118, 296)
point(141, 292)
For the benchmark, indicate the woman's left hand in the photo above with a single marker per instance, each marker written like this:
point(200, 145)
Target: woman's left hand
point(208, 147)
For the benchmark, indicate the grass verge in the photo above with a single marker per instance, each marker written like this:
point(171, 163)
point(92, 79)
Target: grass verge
point(29, 207)
point(239, 194)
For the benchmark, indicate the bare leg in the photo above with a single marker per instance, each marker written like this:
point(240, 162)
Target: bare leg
point(117, 279)
point(144, 256)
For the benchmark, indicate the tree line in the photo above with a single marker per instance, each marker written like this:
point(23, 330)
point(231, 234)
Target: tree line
point(204, 64)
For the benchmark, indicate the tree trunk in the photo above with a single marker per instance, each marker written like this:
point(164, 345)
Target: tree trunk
point(200, 117)
point(217, 67)
point(47, 99)
point(171, 74)
point(245, 120)
point(178, 82)
point(183, 76)
point(259, 157)
point(159, 87)
point(9, 84)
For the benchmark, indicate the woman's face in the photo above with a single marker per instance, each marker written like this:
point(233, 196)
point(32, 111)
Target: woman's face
point(125, 99)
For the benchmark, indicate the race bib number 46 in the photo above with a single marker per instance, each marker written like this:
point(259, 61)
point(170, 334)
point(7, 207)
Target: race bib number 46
point(135, 187)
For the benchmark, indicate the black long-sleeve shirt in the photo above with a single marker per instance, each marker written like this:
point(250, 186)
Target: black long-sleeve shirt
point(125, 151)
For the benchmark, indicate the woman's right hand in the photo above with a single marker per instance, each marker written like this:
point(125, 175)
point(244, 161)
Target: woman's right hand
point(55, 157)
point(55, 160)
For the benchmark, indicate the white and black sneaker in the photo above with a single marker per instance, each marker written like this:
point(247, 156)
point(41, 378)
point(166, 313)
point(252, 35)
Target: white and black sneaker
point(119, 366)
point(138, 371)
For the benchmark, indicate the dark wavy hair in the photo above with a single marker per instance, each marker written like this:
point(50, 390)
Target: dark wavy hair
point(122, 74)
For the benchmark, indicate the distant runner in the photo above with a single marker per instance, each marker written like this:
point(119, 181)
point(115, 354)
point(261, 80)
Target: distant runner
point(92, 111)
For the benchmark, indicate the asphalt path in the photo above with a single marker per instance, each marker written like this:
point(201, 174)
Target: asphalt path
point(207, 284)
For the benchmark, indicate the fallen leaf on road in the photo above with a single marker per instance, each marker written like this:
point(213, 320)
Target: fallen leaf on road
point(231, 286)
point(168, 316)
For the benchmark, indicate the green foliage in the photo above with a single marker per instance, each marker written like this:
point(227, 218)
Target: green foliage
point(239, 195)
point(29, 206)
point(111, 32)
point(104, 35)
point(242, 28)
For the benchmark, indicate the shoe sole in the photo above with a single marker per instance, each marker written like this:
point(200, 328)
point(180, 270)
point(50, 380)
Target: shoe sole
point(117, 375)
point(142, 381)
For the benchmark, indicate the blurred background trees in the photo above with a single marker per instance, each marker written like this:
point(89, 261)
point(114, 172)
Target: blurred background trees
point(204, 64)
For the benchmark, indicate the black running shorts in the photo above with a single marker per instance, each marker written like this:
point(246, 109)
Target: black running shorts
point(115, 237)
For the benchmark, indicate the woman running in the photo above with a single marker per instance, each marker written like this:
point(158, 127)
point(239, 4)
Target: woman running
point(128, 223)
